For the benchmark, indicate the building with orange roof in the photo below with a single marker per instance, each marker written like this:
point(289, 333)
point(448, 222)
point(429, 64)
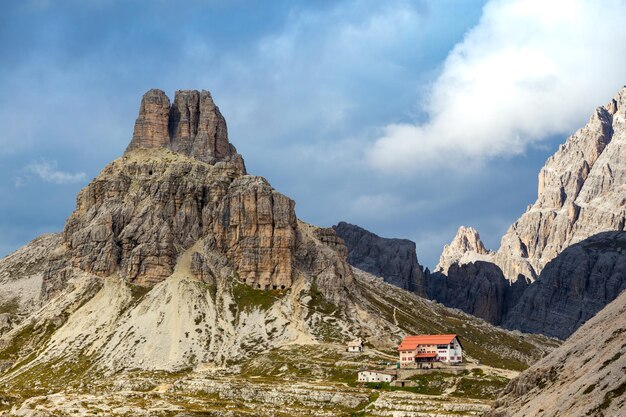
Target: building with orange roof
point(430, 348)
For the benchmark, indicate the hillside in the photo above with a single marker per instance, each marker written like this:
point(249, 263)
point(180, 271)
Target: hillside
point(583, 377)
point(182, 284)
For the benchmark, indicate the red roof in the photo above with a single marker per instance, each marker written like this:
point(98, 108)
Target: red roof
point(411, 342)
point(426, 355)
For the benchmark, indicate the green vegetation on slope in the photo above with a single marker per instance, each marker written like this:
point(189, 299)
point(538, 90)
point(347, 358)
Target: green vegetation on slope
point(489, 345)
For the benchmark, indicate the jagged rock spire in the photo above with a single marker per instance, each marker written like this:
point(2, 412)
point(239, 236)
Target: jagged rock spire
point(192, 125)
point(465, 247)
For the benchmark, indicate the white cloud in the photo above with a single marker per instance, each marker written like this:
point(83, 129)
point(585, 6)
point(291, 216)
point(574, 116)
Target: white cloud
point(528, 70)
point(48, 171)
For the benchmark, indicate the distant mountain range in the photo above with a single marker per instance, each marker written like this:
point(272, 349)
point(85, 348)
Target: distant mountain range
point(559, 264)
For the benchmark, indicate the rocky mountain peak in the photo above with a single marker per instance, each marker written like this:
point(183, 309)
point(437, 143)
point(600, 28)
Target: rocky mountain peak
point(465, 247)
point(192, 125)
point(580, 193)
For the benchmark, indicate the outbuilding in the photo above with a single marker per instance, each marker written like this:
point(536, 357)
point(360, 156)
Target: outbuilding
point(355, 346)
point(368, 375)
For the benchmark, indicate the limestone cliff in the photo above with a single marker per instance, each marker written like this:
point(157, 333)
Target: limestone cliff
point(393, 259)
point(478, 288)
point(580, 193)
point(573, 287)
point(192, 126)
point(179, 181)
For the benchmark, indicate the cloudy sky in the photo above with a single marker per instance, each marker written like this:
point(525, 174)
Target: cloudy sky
point(409, 118)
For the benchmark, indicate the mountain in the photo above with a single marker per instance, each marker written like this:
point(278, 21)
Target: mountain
point(573, 287)
point(580, 193)
point(570, 290)
point(395, 260)
point(478, 288)
point(583, 377)
point(465, 248)
point(558, 264)
point(183, 285)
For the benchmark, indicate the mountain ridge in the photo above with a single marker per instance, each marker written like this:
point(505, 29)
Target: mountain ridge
point(177, 268)
point(580, 193)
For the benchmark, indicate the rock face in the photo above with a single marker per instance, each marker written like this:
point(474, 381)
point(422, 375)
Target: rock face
point(573, 287)
point(570, 290)
point(477, 288)
point(466, 247)
point(151, 126)
point(393, 259)
point(144, 210)
point(583, 377)
point(256, 227)
point(581, 192)
point(192, 126)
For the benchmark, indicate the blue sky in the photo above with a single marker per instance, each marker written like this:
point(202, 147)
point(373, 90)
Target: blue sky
point(409, 118)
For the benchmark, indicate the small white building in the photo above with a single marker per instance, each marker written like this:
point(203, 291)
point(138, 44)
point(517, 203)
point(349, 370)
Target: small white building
point(368, 375)
point(430, 348)
point(355, 346)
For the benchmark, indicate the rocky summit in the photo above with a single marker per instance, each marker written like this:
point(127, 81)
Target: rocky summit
point(561, 262)
point(581, 192)
point(466, 247)
point(179, 181)
point(181, 285)
point(192, 126)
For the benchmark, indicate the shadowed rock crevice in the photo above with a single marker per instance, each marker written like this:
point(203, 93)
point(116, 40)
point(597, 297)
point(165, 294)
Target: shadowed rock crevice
point(478, 288)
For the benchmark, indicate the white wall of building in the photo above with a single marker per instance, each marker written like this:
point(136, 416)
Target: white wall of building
point(373, 376)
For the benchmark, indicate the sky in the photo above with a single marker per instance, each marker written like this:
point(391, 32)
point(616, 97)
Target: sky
point(408, 118)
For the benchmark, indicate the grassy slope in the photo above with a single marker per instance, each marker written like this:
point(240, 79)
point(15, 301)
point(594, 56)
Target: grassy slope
point(481, 341)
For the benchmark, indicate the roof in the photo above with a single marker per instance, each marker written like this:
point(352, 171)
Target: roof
point(426, 355)
point(411, 342)
point(355, 343)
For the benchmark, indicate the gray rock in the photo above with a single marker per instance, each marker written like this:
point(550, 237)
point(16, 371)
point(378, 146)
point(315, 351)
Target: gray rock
point(570, 290)
point(580, 193)
point(583, 377)
point(573, 287)
point(393, 259)
point(478, 288)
